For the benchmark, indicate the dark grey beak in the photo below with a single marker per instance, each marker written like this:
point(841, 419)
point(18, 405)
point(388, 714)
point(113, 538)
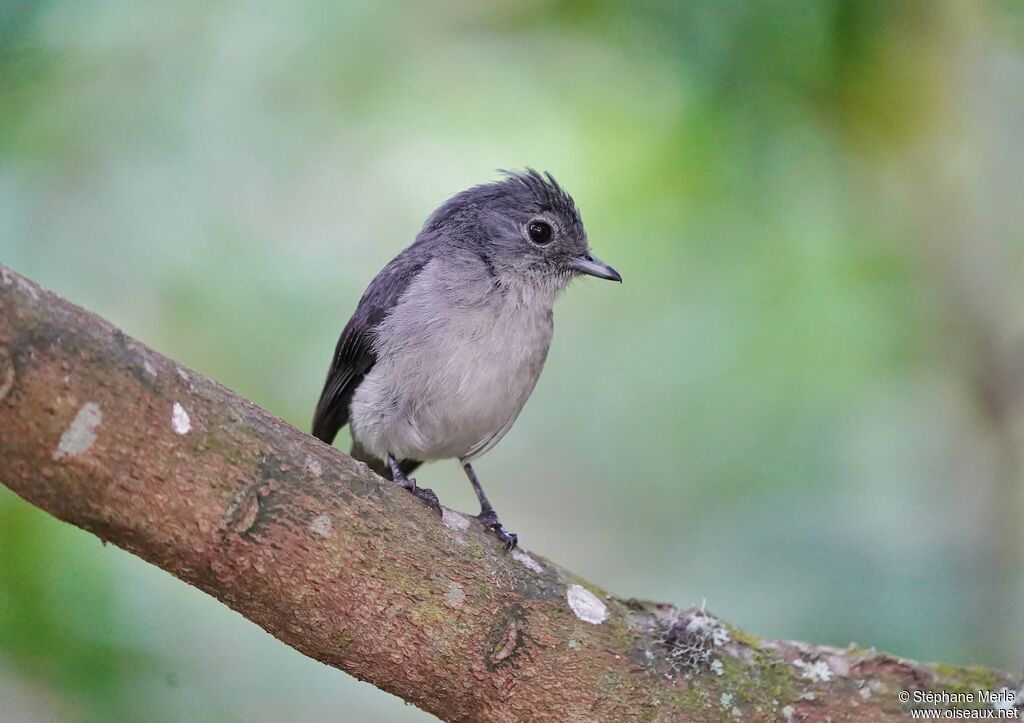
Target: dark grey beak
point(593, 266)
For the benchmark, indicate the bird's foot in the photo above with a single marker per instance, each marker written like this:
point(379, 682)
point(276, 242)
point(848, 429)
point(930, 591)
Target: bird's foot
point(490, 521)
point(429, 498)
point(426, 495)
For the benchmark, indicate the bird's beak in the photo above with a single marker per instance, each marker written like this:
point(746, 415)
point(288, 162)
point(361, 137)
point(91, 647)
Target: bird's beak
point(593, 266)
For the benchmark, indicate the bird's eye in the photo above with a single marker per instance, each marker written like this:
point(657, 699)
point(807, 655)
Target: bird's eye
point(540, 232)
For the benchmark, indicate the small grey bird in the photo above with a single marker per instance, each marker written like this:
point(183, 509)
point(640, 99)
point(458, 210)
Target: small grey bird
point(449, 339)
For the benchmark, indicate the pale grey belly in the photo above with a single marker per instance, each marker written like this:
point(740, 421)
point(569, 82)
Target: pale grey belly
point(449, 387)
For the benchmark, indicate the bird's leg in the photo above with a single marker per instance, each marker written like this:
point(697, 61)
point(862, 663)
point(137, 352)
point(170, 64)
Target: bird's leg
point(488, 517)
point(409, 483)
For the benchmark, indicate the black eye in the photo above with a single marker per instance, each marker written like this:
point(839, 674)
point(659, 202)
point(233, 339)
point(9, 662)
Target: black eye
point(540, 232)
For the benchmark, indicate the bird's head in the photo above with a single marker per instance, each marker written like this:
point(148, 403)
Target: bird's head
point(526, 227)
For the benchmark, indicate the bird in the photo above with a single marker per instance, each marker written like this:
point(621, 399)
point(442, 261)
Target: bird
point(448, 340)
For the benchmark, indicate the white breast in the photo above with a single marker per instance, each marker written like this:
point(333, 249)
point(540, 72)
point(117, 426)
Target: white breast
point(456, 362)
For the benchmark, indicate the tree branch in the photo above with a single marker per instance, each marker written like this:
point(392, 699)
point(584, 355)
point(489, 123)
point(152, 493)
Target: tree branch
point(106, 434)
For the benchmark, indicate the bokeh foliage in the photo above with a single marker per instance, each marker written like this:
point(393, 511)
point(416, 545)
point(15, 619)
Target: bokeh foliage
point(804, 404)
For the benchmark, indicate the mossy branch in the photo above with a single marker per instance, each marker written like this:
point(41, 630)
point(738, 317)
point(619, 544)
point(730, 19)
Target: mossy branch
point(105, 433)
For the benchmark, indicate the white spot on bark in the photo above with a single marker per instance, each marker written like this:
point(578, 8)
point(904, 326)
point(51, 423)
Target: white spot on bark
point(788, 712)
point(313, 466)
point(321, 526)
point(28, 287)
point(1006, 699)
point(456, 595)
point(524, 559)
point(585, 605)
point(179, 419)
point(840, 666)
point(5, 275)
point(818, 671)
point(81, 433)
point(716, 667)
point(184, 376)
point(864, 691)
point(725, 700)
point(148, 366)
point(708, 627)
point(453, 520)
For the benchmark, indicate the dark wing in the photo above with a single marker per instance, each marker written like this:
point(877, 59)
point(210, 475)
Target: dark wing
point(354, 355)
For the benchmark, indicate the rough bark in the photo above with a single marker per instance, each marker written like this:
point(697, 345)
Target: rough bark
point(105, 433)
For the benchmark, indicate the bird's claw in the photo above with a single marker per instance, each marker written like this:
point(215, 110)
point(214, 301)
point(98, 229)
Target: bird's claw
point(423, 493)
point(510, 539)
point(428, 497)
point(491, 522)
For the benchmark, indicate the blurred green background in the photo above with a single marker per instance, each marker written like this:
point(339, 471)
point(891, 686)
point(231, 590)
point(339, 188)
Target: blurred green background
point(804, 405)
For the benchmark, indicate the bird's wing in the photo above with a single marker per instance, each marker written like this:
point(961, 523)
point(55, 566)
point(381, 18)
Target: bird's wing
point(354, 355)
